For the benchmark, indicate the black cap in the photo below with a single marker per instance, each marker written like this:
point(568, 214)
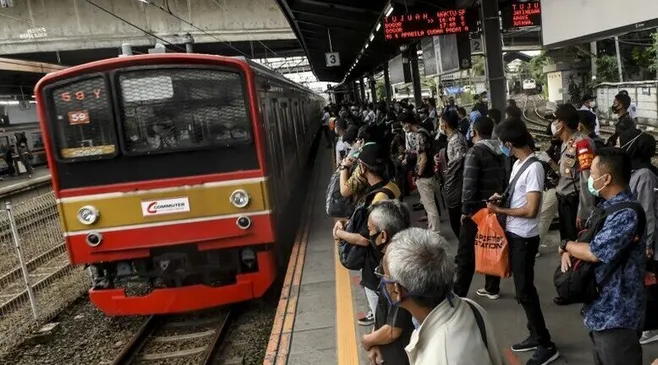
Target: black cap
point(568, 114)
point(588, 119)
point(588, 97)
point(371, 154)
point(408, 118)
point(624, 99)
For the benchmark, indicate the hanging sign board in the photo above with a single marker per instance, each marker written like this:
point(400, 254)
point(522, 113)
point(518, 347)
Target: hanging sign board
point(332, 58)
point(399, 71)
point(429, 56)
point(517, 14)
point(428, 23)
point(477, 46)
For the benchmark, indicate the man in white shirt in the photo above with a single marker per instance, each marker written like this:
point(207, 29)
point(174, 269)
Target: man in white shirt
point(589, 102)
point(418, 276)
point(520, 203)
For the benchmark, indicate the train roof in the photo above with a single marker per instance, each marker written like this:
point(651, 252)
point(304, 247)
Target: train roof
point(122, 61)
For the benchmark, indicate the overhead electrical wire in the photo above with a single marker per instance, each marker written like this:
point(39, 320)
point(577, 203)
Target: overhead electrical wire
point(134, 25)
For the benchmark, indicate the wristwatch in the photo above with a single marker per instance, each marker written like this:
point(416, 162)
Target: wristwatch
point(563, 245)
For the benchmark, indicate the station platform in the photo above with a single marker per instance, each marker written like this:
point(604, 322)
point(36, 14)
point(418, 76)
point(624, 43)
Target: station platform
point(316, 322)
point(22, 183)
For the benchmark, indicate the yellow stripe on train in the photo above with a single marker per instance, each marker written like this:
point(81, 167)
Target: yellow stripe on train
point(116, 210)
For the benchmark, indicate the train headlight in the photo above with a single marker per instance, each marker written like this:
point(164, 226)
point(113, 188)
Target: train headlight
point(240, 198)
point(88, 215)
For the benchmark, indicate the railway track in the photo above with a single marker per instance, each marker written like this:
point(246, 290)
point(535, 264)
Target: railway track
point(178, 339)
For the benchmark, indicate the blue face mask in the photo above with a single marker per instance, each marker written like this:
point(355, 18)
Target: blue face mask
point(506, 150)
point(391, 302)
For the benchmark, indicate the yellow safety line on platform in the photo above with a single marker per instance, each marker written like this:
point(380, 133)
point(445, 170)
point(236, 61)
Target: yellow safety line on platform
point(345, 332)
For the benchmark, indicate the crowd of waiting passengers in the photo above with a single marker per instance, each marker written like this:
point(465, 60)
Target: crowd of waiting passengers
point(471, 161)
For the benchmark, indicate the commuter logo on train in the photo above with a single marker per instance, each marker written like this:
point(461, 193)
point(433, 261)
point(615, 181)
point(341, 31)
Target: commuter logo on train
point(165, 206)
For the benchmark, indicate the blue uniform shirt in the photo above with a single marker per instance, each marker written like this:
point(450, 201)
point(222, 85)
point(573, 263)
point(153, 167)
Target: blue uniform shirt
point(621, 304)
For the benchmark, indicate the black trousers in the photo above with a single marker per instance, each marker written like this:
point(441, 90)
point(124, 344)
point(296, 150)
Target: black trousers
point(465, 262)
point(618, 346)
point(522, 259)
point(455, 215)
point(567, 208)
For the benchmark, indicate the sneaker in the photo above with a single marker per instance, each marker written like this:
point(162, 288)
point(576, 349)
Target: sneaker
point(368, 320)
point(529, 344)
point(648, 337)
point(484, 293)
point(544, 355)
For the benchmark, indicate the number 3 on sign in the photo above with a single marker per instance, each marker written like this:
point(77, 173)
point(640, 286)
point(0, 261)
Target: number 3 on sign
point(333, 59)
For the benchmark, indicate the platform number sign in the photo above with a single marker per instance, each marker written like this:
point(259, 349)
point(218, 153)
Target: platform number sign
point(476, 46)
point(333, 59)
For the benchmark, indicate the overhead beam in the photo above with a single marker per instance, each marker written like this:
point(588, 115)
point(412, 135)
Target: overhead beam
point(340, 7)
point(8, 64)
point(328, 17)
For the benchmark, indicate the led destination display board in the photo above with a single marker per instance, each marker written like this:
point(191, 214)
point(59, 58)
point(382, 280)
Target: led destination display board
point(521, 15)
point(427, 24)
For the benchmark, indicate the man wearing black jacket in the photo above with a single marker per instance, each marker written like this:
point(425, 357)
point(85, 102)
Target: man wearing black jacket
point(486, 171)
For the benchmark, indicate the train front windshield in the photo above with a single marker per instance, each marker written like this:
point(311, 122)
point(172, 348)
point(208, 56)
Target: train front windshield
point(164, 122)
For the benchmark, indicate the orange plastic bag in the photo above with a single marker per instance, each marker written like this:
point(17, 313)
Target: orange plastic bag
point(491, 248)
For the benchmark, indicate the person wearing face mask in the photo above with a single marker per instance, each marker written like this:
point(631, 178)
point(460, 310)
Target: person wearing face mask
point(641, 147)
point(453, 169)
point(426, 122)
point(450, 107)
point(589, 103)
point(372, 164)
point(486, 171)
point(519, 206)
point(588, 123)
point(393, 325)
point(424, 170)
point(417, 275)
point(577, 151)
point(624, 120)
point(617, 249)
point(632, 108)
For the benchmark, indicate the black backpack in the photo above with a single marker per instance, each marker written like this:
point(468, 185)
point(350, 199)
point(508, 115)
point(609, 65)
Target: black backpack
point(578, 284)
point(336, 205)
point(351, 256)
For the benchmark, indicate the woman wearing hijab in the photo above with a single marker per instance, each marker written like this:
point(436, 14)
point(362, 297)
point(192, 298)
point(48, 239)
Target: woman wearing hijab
point(641, 147)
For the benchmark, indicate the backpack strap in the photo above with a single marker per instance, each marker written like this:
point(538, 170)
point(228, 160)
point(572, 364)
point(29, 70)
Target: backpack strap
point(625, 253)
point(510, 188)
point(480, 322)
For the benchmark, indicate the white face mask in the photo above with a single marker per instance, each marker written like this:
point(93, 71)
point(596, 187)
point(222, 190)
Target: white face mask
point(554, 129)
point(592, 104)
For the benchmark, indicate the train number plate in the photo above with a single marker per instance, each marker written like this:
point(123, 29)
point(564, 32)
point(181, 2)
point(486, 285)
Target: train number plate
point(165, 206)
point(79, 117)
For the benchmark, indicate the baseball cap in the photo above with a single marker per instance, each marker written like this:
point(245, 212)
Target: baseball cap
point(588, 97)
point(568, 114)
point(371, 154)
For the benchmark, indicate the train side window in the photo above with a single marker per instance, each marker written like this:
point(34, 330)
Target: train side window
point(276, 111)
point(37, 140)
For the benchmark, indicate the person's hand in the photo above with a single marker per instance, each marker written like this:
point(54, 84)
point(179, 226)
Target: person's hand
point(348, 162)
point(495, 199)
point(404, 162)
point(543, 157)
point(493, 208)
point(436, 158)
point(375, 356)
point(655, 362)
point(566, 261)
point(464, 216)
point(650, 253)
point(579, 223)
point(339, 226)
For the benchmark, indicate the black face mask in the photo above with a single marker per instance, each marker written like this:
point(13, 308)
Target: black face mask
point(373, 241)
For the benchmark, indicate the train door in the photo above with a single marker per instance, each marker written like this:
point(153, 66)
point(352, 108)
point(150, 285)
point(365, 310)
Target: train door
point(296, 137)
point(270, 135)
point(282, 158)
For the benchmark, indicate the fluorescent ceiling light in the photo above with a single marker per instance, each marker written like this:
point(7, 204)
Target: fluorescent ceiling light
point(390, 10)
point(367, 44)
point(372, 36)
point(379, 26)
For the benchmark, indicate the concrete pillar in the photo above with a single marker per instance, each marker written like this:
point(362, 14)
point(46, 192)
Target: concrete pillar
point(415, 75)
point(387, 83)
point(373, 87)
point(363, 90)
point(594, 56)
point(493, 49)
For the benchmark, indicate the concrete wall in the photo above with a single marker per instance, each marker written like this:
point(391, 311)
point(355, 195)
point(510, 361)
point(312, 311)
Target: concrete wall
point(643, 93)
point(18, 116)
point(57, 25)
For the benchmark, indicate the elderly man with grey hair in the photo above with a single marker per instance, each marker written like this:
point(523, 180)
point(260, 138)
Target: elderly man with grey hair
point(393, 325)
point(418, 276)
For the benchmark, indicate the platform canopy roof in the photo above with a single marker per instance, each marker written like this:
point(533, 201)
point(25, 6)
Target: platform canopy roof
point(346, 26)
